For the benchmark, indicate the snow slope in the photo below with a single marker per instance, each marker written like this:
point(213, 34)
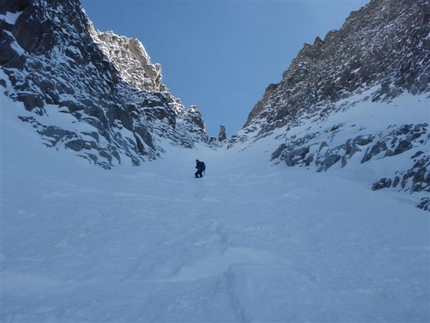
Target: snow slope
point(250, 242)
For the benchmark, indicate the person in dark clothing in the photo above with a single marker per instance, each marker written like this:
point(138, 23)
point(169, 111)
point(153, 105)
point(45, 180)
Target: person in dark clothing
point(200, 168)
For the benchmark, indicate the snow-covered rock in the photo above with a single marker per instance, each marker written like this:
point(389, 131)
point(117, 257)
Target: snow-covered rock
point(109, 102)
point(249, 242)
point(379, 57)
point(384, 46)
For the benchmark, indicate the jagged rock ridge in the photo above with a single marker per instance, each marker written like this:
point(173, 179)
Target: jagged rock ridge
point(386, 43)
point(135, 67)
point(53, 60)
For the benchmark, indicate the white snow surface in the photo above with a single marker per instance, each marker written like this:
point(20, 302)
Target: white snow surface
point(249, 242)
point(10, 17)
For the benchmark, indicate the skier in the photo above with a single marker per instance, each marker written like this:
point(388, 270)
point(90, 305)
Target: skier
point(200, 168)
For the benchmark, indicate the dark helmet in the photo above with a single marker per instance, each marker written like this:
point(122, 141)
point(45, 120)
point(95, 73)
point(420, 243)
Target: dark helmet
point(197, 160)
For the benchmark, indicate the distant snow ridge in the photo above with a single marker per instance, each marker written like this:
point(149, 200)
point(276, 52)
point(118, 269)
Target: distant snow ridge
point(109, 103)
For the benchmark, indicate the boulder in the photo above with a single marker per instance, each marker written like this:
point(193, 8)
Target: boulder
point(424, 204)
point(330, 161)
point(76, 145)
point(382, 183)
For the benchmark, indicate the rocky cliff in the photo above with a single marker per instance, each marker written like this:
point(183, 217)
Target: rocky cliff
point(381, 53)
point(104, 89)
point(386, 43)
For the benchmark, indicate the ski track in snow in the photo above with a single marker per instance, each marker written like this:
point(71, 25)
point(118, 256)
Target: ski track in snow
point(249, 242)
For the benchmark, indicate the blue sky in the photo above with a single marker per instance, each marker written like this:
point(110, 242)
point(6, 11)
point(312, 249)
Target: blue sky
point(221, 55)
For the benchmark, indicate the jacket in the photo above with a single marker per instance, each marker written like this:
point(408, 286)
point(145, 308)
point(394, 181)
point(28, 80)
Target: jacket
point(200, 165)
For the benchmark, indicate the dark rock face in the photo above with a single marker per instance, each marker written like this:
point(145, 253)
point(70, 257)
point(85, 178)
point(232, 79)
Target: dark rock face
point(9, 57)
point(55, 63)
point(222, 135)
point(384, 44)
point(13, 5)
